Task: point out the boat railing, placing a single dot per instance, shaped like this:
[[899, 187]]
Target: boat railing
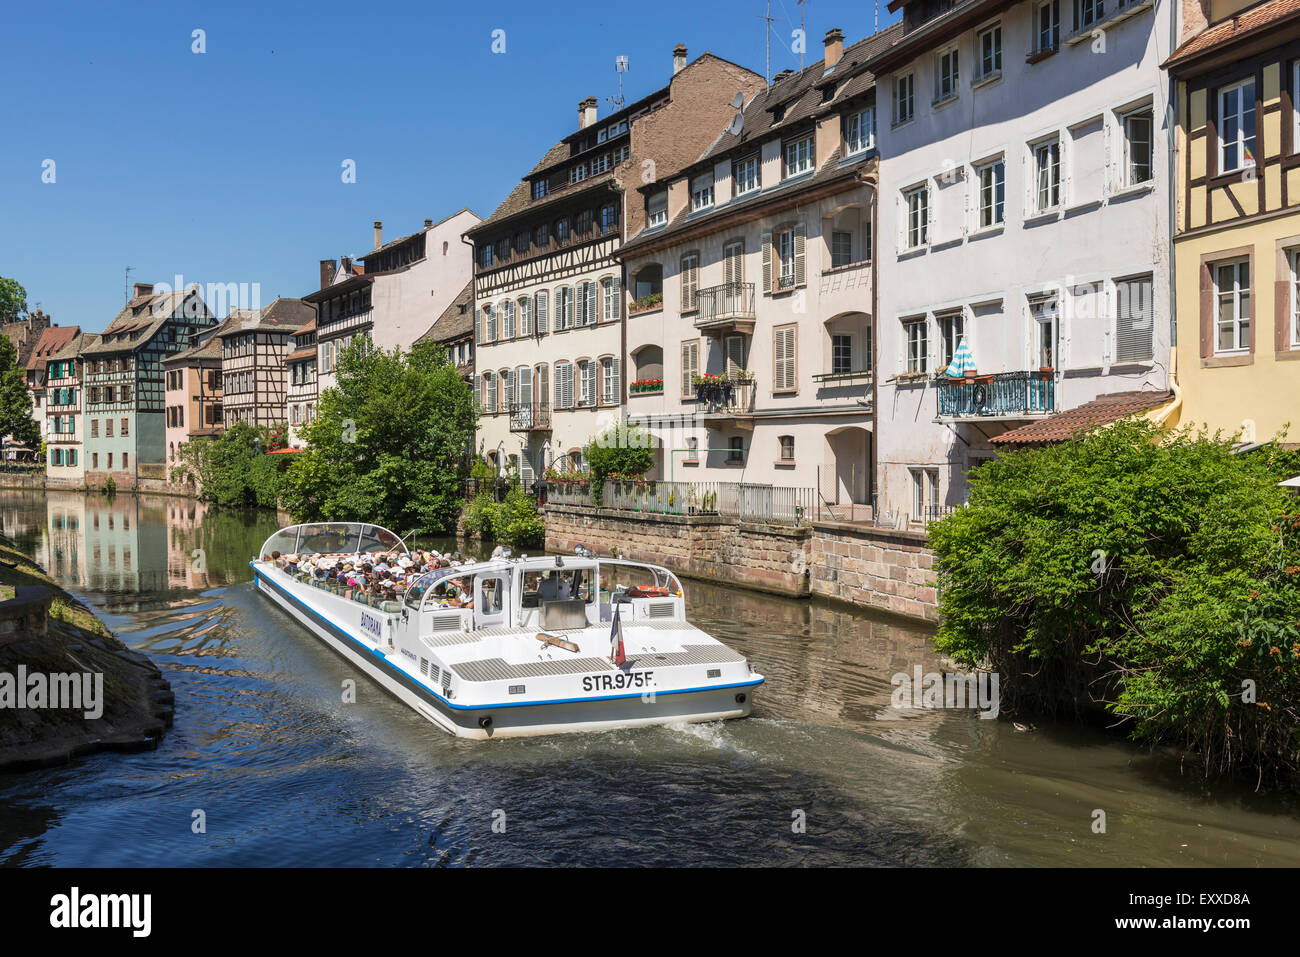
[[334, 539]]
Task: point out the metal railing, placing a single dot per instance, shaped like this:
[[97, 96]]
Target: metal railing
[[1004, 394], [535, 417], [718, 305], [728, 397], [778, 504], [932, 513]]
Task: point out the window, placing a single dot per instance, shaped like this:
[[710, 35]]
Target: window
[[526, 316], [599, 164], [916, 340], [507, 378], [562, 229], [690, 271], [945, 75], [787, 447], [612, 298], [1137, 147], [1047, 175], [925, 492], [657, 209], [1043, 309], [1087, 12], [585, 220], [586, 382], [540, 188], [952, 325], [692, 449], [1237, 126], [785, 369], [564, 308], [859, 131], [918, 217], [1293, 260], [609, 393], [841, 354], [690, 367], [798, 156], [1047, 24], [841, 249], [745, 175], [578, 173], [108, 428], [785, 254], [490, 323], [608, 219], [541, 235], [702, 192], [1232, 293], [903, 98], [991, 180], [126, 427], [590, 303], [126, 459], [508, 319], [1133, 320], [736, 448], [990, 50]]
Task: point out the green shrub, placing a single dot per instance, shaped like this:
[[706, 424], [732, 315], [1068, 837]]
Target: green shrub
[[1151, 575], [516, 521]]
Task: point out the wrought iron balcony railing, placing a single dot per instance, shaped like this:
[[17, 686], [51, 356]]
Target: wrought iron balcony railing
[[725, 304], [1005, 395], [535, 417], [727, 397]]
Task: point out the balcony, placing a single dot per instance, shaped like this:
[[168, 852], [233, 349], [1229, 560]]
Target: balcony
[[726, 399], [726, 308], [530, 418], [1005, 396]]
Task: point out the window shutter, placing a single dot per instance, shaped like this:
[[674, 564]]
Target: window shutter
[[1282, 314], [543, 386], [767, 262], [591, 381], [735, 354], [800, 241], [618, 297], [1134, 321], [478, 327], [783, 348], [1113, 173], [524, 387], [593, 302], [1207, 311], [543, 307]]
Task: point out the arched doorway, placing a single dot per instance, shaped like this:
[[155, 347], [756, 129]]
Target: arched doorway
[[846, 470]]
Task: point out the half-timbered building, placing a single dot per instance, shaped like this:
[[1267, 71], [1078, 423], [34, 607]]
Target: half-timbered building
[[300, 381], [1237, 241], [125, 384], [194, 393], [254, 345], [64, 424]]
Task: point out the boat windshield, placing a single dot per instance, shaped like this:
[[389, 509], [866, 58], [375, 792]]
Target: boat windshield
[[332, 538], [446, 588]]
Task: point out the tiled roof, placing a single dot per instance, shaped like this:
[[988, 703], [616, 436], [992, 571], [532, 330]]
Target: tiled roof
[[401, 239], [307, 353], [72, 348], [453, 323], [1248, 22], [520, 198], [310, 327], [1066, 425], [800, 95], [281, 313], [52, 340], [143, 315]]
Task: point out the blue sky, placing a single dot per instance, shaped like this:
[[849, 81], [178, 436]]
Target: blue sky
[[225, 166]]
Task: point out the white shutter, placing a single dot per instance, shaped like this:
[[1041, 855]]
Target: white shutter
[[618, 297], [690, 366], [568, 386], [590, 381], [767, 262], [616, 384], [524, 387], [800, 242], [1134, 321], [478, 391], [543, 308], [526, 316], [593, 302], [478, 332]]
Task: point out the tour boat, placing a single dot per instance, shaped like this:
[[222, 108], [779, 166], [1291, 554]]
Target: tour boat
[[514, 646]]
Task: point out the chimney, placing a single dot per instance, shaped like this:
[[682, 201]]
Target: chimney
[[346, 264], [326, 272], [379, 233], [679, 58], [143, 289], [781, 76], [587, 113], [834, 46], [428, 224]]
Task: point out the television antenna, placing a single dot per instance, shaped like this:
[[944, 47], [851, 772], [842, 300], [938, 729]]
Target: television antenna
[[620, 67], [767, 41], [126, 284]]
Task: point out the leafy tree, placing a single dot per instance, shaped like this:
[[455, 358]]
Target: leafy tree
[[13, 300], [389, 444], [15, 402], [233, 468], [622, 449], [1152, 575]]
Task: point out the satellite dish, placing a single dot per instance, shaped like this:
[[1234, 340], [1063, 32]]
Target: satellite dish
[[739, 101], [737, 124]]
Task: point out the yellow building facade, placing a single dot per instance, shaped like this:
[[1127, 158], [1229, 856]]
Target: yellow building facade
[[1236, 72]]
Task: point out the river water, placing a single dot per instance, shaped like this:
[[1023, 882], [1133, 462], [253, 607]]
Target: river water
[[267, 766]]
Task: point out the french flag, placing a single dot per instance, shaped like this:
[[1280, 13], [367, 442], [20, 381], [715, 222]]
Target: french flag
[[617, 654]]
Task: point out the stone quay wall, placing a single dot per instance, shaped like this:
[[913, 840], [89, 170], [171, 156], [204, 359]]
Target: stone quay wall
[[884, 569]]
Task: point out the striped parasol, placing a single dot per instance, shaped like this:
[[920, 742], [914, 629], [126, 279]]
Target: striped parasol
[[962, 360]]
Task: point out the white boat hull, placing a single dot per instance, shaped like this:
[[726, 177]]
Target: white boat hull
[[732, 699]]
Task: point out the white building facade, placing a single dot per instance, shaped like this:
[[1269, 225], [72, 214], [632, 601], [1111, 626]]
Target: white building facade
[[1024, 198]]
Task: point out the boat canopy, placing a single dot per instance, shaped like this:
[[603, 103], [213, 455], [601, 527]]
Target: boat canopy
[[332, 538]]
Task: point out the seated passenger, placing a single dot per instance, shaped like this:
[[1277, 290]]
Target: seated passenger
[[553, 588]]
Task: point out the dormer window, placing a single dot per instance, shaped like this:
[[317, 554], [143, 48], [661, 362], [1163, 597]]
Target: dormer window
[[657, 209], [540, 188], [798, 156], [702, 192], [945, 76], [745, 175], [859, 131], [578, 173]]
